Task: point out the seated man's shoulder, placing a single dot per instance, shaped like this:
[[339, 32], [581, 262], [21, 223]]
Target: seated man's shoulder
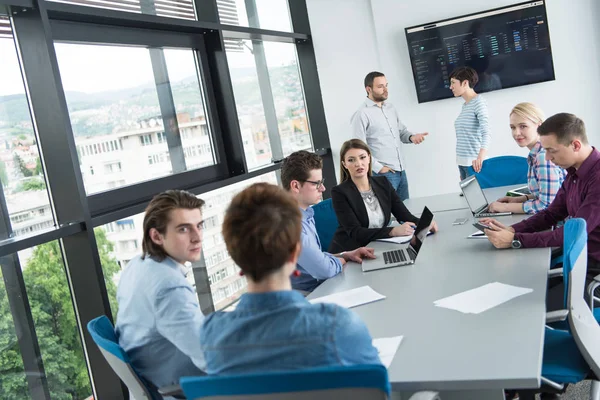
[[153, 274]]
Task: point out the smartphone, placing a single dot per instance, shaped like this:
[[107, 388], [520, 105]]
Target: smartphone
[[460, 221], [481, 226]]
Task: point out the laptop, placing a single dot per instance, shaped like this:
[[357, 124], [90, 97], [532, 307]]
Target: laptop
[[476, 199], [406, 253]]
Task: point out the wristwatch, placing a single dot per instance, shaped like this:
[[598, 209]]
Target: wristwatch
[[516, 244]]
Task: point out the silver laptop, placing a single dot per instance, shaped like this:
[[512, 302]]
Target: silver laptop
[[406, 253], [476, 199]]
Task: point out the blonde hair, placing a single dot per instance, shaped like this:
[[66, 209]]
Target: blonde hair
[[348, 145], [529, 111]]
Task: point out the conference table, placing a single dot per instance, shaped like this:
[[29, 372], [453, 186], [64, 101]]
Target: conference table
[[464, 356]]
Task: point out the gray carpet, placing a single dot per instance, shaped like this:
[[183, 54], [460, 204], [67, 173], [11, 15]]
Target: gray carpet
[[581, 391]]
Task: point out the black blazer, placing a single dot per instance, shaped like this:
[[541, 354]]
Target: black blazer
[[353, 220]]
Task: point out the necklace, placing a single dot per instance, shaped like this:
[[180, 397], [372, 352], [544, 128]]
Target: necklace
[[370, 199]]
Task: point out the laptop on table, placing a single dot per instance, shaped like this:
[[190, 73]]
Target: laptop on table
[[476, 198], [406, 253]]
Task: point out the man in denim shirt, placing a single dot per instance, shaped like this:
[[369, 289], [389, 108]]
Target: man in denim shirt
[[159, 319], [274, 328], [302, 177]]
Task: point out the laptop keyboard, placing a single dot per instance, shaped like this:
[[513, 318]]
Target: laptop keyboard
[[394, 257]]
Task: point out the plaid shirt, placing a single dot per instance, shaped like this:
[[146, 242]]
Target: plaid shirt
[[543, 178]]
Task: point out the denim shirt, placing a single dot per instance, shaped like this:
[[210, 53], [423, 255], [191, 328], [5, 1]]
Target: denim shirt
[[314, 264], [159, 319], [282, 331]]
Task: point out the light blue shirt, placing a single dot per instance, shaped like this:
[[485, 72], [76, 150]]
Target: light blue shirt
[[381, 129], [472, 130], [159, 320], [282, 331], [314, 264]]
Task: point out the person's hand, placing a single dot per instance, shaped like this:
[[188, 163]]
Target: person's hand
[[385, 170], [433, 227], [512, 199], [477, 164], [418, 138], [501, 239], [497, 206], [495, 225], [359, 254], [406, 229]]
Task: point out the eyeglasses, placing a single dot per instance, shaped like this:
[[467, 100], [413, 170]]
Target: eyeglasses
[[318, 184]]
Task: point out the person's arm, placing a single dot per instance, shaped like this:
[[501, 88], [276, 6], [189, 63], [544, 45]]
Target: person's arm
[[320, 265], [178, 319], [545, 219], [348, 220], [481, 112], [358, 126], [403, 131], [549, 178], [353, 343]]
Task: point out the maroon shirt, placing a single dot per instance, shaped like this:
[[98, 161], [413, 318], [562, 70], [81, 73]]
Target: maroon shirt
[[578, 197]]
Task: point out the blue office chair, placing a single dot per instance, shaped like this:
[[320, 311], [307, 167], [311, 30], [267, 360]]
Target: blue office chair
[[326, 222], [573, 355], [103, 333], [502, 171], [351, 383]]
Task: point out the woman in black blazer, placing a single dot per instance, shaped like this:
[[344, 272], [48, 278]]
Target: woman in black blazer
[[363, 203]]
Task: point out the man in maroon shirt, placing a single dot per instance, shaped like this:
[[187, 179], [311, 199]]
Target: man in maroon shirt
[[564, 138]]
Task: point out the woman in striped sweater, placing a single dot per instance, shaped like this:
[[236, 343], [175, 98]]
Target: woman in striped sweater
[[472, 125]]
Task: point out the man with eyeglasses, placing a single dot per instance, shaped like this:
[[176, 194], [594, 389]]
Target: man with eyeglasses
[[302, 177]]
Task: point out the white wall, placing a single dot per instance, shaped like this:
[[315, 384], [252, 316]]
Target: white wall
[[431, 166], [346, 50]]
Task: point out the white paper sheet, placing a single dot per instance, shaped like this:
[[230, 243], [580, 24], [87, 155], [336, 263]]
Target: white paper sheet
[[351, 298], [483, 298], [387, 347], [400, 239], [477, 235]]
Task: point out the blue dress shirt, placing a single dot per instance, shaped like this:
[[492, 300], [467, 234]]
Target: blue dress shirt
[[314, 264], [282, 331], [159, 320]]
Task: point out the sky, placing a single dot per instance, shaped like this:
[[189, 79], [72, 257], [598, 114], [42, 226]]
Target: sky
[[97, 68]]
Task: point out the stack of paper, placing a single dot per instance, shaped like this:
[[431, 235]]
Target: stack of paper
[[351, 298], [387, 347], [481, 299]]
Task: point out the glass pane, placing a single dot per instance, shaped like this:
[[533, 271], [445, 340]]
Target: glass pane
[[248, 100], [21, 172], [225, 282], [164, 8], [284, 75], [116, 114], [12, 373], [272, 14], [55, 324]]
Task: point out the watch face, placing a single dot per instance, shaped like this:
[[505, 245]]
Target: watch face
[[516, 244]]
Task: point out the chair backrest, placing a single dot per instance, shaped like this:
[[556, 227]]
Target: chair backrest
[[351, 382], [326, 222], [574, 240], [502, 171], [103, 333], [583, 324]]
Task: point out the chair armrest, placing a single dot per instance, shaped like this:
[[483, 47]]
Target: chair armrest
[[552, 273], [556, 316], [425, 396], [171, 391], [591, 289]]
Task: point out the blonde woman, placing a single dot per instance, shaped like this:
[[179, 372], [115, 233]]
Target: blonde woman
[[543, 177]]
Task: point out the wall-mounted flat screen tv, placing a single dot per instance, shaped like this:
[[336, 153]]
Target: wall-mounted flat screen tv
[[508, 47]]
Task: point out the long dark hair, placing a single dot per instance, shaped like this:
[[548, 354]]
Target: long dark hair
[[348, 145]]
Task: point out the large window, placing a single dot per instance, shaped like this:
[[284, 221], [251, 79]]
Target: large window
[[118, 118], [164, 8], [270, 14], [21, 172]]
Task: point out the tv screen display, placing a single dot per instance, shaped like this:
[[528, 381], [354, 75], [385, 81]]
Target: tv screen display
[[508, 47]]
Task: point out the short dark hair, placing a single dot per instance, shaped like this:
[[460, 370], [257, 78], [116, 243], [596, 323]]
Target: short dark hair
[[262, 228], [297, 167], [158, 216], [566, 127], [462, 74], [371, 77]]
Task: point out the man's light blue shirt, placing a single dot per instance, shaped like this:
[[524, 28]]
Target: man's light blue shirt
[[159, 321], [282, 331], [314, 264]]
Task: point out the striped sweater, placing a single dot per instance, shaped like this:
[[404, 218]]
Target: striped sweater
[[472, 130]]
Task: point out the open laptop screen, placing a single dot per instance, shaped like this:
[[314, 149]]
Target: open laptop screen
[[473, 194], [421, 229]]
